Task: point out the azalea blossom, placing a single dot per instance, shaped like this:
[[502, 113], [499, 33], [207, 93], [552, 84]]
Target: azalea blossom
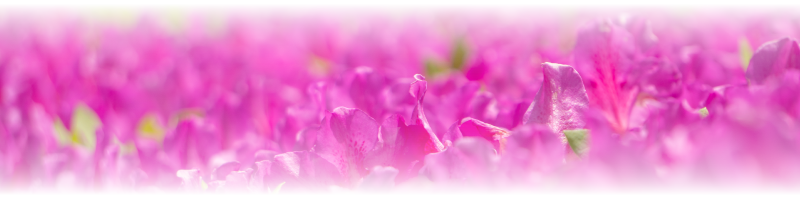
[[327, 103]]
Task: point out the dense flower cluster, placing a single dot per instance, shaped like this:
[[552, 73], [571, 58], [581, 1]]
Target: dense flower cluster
[[381, 104]]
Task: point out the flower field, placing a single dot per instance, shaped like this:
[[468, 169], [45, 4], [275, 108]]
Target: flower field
[[372, 102]]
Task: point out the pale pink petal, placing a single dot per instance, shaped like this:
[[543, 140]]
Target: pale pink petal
[[191, 179], [349, 136], [603, 58], [560, 100], [302, 169], [236, 183], [417, 90], [401, 146], [772, 58], [260, 174], [379, 178], [223, 170], [469, 127]]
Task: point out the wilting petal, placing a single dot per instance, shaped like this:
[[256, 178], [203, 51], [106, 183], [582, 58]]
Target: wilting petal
[[773, 58], [560, 100]]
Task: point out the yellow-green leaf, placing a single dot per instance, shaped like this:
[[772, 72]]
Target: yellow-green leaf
[[277, 189], [745, 52], [434, 68], [62, 134], [703, 112], [578, 140], [458, 55], [185, 114], [203, 184], [84, 126], [149, 127]]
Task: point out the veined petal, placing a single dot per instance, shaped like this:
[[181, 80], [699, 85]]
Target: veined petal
[[603, 53], [349, 136], [560, 100]]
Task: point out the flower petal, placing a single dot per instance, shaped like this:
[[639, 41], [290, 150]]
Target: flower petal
[[379, 178], [470, 127], [302, 169], [772, 58], [235, 181], [349, 136], [191, 179], [560, 100]]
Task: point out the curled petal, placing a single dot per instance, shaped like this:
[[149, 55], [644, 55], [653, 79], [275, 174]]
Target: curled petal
[[772, 58], [469, 127]]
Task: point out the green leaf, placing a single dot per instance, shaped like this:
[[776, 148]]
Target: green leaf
[[434, 68], [63, 136], [84, 126], [578, 140], [277, 189], [703, 112], [458, 55], [745, 53], [150, 128]]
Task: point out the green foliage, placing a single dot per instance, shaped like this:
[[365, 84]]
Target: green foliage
[[578, 140]]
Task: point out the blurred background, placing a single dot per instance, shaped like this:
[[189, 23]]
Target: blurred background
[[256, 75]]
